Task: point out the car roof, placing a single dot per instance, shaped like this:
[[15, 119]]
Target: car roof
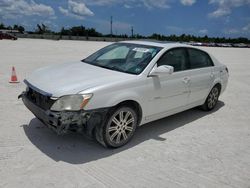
[[158, 43]]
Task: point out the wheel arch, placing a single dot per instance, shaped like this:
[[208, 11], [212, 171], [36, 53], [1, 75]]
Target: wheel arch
[[133, 104], [217, 84]]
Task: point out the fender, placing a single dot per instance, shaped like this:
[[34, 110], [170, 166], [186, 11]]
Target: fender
[[216, 81], [124, 97], [110, 99]]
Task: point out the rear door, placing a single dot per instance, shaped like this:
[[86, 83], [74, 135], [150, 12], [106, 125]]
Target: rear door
[[201, 74]]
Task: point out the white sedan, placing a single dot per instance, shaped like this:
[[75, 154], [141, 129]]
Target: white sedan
[[122, 86]]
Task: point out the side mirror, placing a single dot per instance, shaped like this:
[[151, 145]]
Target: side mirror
[[162, 70]]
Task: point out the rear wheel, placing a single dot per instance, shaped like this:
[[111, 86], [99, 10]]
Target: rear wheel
[[120, 127], [212, 99]]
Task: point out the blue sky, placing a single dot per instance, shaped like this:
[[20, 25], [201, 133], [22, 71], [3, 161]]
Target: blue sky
[[222, 18]]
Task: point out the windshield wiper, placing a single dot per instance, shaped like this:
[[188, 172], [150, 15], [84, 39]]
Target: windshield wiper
[[84, 61], [111, 68], [115, 68], [102, 66]]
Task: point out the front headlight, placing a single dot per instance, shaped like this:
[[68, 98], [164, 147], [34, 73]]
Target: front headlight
[[71, 102]]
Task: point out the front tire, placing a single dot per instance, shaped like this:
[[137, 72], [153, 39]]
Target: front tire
[[119, 127], [212, 99]]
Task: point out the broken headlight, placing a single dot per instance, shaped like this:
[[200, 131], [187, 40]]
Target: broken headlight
[[71, 102]]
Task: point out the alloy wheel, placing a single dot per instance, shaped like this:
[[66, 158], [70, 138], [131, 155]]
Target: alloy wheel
[[213, 98], [121, 126]]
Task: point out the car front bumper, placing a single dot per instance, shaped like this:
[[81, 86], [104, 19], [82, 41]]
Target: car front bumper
[[62, 122]]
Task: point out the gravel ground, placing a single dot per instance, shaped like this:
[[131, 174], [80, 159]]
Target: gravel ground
[[190, 149]]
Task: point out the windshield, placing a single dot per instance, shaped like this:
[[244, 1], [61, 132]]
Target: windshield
[[123, 57]]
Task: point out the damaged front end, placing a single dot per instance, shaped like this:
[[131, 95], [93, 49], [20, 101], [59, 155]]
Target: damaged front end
[[83, 121]]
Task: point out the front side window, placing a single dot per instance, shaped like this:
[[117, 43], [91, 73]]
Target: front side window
[[199, 59], [175, 58], [124, 57]]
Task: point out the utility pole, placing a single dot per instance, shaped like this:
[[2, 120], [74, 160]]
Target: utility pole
[[132, 31], [111, 26]]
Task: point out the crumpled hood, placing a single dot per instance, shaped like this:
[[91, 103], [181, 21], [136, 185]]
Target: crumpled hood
[[72, 78]]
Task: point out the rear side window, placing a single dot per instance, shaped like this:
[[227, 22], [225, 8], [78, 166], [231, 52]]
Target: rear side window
[[175, 58], [199, 59]]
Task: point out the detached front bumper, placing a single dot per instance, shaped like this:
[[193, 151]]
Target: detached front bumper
[[62, 122]]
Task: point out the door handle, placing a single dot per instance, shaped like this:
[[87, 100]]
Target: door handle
[[186, 80]]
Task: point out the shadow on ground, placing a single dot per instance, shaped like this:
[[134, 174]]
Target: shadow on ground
[[76, 149]]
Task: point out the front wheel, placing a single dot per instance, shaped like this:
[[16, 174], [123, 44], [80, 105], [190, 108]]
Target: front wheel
[[120, 127], [212, 99]]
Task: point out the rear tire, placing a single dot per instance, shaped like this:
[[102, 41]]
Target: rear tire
[[119, 127], [212, 99]]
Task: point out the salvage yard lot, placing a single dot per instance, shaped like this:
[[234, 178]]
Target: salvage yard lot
[[190, 149]]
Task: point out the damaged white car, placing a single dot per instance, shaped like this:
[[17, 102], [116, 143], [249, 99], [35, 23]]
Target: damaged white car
[[122, 86]]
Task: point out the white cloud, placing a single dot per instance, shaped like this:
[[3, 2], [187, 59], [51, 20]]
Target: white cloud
[[224, 7], [188, 2], [203, 31], [156, 4], [240, 31], [220, 12], [76, 9], [101, 2], [246, 28], [79, 8], [127, 6], [18, 8], [150, 4], [231, 31], [66, 12]]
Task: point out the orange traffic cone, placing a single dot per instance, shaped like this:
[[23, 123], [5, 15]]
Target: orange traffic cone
[[13, 78]]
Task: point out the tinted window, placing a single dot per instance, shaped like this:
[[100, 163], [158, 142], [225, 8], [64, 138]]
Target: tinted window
[[176, 58], [199, 59]]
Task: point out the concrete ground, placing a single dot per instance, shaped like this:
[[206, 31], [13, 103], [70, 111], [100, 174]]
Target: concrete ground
[[190, 149]]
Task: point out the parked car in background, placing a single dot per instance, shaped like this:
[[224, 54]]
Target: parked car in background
[[240, 45], [122, 86], [7, 36]]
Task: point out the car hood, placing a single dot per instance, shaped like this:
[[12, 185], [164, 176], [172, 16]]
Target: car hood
[[72, 78]]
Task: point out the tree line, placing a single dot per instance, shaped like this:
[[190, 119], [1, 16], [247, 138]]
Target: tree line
[[19, 28], [91, 32]]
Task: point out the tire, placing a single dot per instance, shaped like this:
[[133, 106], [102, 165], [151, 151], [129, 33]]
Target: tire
[[119, 127], [212, 99]]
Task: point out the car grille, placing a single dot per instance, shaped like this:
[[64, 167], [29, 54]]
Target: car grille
[[40, 100]]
